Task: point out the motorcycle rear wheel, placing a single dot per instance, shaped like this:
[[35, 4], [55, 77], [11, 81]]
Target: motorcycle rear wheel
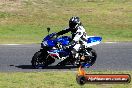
[[94, 56], [89, 59]]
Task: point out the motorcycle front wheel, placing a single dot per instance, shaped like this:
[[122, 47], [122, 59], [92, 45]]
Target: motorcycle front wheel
[[37, 60], [41, 60]]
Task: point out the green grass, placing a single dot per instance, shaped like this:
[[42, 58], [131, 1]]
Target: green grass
[[25, 21], [53, 80]]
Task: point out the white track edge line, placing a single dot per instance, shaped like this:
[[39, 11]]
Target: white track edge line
[[109, 42], [22, 44], [11, 44]]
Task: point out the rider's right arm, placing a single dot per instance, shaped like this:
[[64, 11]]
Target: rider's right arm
[[66, 30]]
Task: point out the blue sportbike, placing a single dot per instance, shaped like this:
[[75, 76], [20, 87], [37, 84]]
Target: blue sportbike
[[52, 50]]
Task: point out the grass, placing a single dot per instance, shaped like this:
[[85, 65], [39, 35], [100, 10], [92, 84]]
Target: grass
[[53, 80], [25, 21]]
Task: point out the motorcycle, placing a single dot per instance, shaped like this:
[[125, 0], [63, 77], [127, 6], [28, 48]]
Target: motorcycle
[[52, 49]]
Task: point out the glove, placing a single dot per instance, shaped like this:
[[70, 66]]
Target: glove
[[65, 47]]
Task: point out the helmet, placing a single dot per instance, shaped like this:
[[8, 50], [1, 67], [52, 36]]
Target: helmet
[[74, 22]]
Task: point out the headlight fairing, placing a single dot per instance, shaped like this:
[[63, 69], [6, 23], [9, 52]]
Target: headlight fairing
[[44, 43]]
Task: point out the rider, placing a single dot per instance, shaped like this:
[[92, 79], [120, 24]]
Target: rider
[[79, 36]]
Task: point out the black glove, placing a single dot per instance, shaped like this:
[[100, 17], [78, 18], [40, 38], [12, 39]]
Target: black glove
[[72, 43], [65, 47]]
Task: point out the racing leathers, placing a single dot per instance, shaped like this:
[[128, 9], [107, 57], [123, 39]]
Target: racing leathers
[[79, 39]]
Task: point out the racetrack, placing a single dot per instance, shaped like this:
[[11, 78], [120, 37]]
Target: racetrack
[[111, 56]]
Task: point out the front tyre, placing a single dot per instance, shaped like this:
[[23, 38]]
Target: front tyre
[[37, 60]]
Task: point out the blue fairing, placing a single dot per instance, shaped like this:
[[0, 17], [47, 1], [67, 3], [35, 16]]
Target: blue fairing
[[51, 43], [49, 36], [94, 39], [64, 40]]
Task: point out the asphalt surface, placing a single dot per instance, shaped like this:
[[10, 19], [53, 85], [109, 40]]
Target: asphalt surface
[[111, 56]]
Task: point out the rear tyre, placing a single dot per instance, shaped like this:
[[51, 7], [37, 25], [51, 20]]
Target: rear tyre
[[89, 59], [93, 57]]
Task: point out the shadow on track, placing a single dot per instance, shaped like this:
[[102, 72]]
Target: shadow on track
[[49, 67]]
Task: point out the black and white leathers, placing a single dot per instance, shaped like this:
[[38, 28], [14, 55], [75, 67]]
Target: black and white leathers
[[78, 34]]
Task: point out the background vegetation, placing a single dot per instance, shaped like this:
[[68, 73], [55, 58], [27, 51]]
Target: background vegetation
[[25, 21], [53, 79]]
